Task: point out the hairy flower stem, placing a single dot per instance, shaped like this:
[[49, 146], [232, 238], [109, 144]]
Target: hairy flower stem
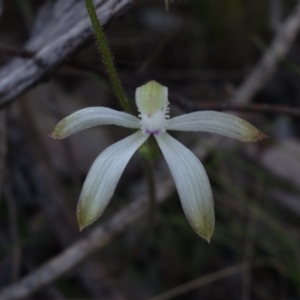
[[114, 78], [106, 56]]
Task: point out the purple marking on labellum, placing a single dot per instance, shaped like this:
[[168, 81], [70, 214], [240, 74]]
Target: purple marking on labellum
[[154, 132]]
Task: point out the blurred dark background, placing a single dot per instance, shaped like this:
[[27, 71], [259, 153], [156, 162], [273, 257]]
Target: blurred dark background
[[202, 51]]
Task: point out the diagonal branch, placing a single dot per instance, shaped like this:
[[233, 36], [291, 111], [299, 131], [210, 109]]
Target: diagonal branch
[[204, 280], [266, 67], [66, 26]]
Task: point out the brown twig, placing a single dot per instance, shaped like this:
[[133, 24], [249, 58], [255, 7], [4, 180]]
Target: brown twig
[[204, 280], [266, 67], [189, 106], [218, 275]]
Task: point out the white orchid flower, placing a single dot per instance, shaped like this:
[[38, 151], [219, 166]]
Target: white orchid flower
[[188, 172]]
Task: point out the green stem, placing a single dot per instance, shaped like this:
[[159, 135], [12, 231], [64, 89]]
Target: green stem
[[113, 75], [148, 169], [106, 56]]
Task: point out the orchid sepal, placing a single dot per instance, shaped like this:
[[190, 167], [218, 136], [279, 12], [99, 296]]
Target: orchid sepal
[[192, 185]]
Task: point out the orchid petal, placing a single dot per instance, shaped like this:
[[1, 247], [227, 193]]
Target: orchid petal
[[90, 117], [192, 184], [217, 122], [103, 177]]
